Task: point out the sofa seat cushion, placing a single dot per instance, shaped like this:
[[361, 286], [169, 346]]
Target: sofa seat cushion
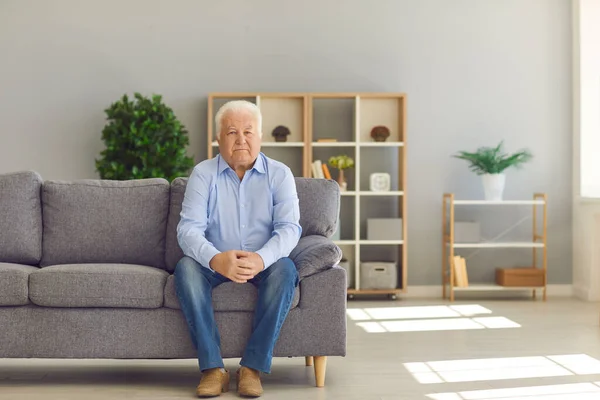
[[98, 285], [229, 296], [14, 279], [20, 218]]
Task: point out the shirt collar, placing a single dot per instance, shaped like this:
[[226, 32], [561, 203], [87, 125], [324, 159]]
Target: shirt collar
[[259, 164]]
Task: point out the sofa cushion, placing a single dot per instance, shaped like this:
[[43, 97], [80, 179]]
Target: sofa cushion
[[14, 280], [103, 221], [173, 251], [319, 206], [314, 254], [98, 285], [20, 218], [228, 296]]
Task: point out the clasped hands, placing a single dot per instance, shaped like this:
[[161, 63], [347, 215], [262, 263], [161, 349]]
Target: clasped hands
[[237, 265]]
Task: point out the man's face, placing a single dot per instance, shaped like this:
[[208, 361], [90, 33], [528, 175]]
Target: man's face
[[239, 139]]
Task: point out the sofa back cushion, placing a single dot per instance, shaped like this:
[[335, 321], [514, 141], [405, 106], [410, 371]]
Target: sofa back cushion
[[20, 218], [174, 252], [319, 208], [104, 221]]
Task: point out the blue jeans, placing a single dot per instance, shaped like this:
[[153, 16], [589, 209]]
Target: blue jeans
[[276, 286]]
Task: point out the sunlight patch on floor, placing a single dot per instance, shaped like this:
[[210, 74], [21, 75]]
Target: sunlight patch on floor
[[426, 318], [490, 369], [573, 391], [425, 312]]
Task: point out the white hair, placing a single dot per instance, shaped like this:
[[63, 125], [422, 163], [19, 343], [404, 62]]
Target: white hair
[[238, 105]]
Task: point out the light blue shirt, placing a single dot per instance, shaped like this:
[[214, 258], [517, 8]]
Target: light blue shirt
[[259, 214]]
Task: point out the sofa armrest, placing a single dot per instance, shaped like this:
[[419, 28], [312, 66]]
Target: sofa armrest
[[315, 253]]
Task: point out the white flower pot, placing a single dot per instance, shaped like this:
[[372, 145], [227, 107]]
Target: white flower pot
[[493, 186]]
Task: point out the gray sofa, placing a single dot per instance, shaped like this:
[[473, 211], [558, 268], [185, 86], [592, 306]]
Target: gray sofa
[[86, 272]]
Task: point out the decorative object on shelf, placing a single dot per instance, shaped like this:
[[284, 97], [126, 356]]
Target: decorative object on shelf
[[280, 133], [490, 163], [144, 139], [380, 133], [520, 277], [341, 162], [380, 182]]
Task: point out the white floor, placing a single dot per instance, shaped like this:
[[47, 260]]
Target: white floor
[[503, 349]]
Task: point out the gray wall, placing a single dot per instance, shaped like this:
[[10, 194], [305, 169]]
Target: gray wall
[[475, 72]]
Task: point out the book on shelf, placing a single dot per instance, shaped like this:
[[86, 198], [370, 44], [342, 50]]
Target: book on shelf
[[461, 279], [320, 170]]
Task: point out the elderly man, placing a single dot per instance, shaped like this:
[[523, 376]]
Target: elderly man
[[239, 222]]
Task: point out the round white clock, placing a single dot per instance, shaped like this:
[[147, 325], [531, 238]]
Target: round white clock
[[380, 182]]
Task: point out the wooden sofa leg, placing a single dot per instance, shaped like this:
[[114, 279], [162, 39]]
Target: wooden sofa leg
[[309, 361], [320, 367]]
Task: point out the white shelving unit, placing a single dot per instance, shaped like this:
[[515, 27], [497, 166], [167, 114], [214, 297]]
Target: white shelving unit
[[449, 245]]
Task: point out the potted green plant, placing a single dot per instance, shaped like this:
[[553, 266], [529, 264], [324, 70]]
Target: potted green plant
[[341, 162], [490, 163], [144, 139]]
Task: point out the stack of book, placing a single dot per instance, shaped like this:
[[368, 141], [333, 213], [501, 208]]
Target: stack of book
[[320, 170]]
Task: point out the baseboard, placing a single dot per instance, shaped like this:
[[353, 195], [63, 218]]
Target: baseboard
[[586, 293], [581, 292], [435, 292]]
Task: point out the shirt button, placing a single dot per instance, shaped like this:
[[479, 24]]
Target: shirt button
[[243, 226], [242, 206]]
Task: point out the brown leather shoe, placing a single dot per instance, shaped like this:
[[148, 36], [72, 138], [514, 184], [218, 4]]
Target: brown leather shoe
[[213, 382], [248, 382]]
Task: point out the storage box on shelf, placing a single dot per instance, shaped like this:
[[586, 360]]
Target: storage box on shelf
[[532, 277], [323, 125]]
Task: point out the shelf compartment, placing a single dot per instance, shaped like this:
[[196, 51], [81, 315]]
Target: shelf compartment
[[333, 118], [389, 160], [283, 110], [293, 157], [381, 110], [382, 207], [324, 153], [383, 251]]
